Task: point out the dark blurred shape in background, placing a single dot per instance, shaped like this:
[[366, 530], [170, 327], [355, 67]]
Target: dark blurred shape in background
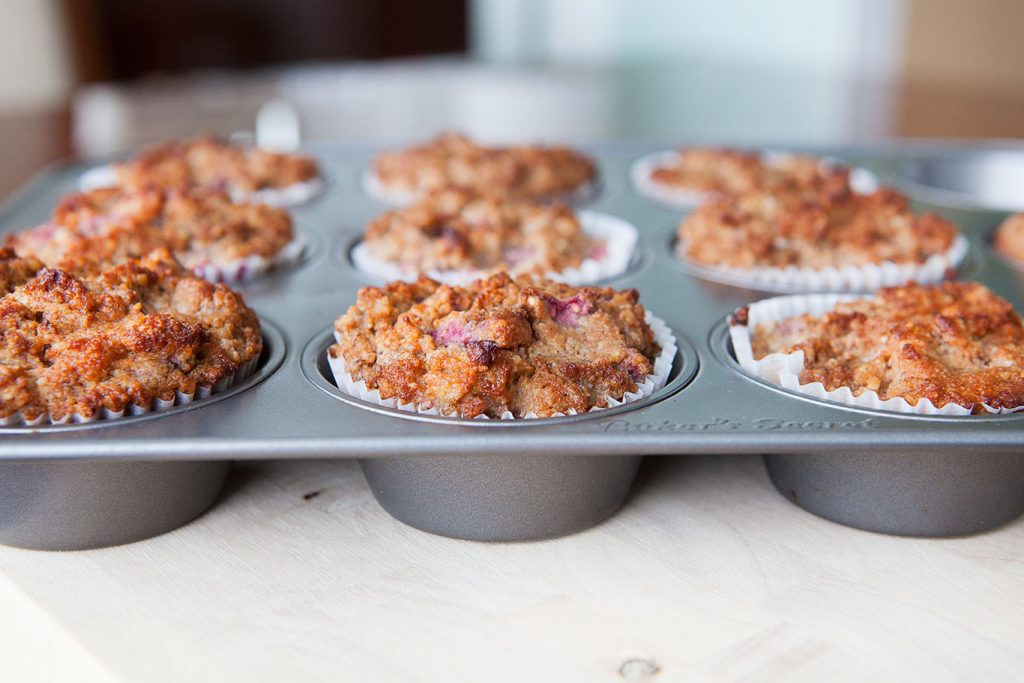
[[123, 40], [96, 77]]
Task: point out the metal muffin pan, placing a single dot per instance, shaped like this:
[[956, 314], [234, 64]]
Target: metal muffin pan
[[496, 480], [976, 179], [77, 504]]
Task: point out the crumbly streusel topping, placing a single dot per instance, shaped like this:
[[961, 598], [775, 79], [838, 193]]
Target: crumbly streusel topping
[[1009, 237], [456, 161], [199, 227], [131, 334], [721, 170], [207, 163], [499, 344], [951, 343], [458, 230], [827, 227]]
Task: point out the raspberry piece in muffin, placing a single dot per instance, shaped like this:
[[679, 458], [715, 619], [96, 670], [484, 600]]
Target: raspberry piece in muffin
[[199, 227], [456, 230], [207, 163], [1009, 237], [951, 343], [456, 161], [143, 330], [729, 171], [523, 346], [827, 227]]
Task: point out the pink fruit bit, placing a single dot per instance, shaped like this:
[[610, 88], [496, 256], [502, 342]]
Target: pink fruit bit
[[453, 332], [568, 311], [633, 366], [518, 255]]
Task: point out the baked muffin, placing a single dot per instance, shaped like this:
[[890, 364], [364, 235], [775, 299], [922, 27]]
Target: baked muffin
[[1009, 237], [72, 346], [814, 229], [721, 170], [456, 230], [532, 172], [525, 347], [244, 173], [954, 343], [203, 229]]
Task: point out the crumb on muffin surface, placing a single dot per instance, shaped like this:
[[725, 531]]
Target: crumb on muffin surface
[[827, 227], [459, 230], [453, 160], [951, 343], [724, 170], [134, 333], [111, 225], [523, 346], [1009, 237], [205, 162]]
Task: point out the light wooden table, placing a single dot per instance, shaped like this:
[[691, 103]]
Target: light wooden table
[[707, 573]]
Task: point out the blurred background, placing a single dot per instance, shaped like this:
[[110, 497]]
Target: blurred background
[[96, 77]]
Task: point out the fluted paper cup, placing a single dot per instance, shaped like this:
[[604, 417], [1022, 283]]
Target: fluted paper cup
[[656, 380], [865, 278], [132, 409], [784, 369]]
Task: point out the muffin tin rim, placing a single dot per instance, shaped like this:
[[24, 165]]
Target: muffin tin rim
[[903, 174], [685, 368]]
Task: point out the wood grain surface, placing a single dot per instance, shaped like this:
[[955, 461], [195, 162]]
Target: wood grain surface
[[706, 574]]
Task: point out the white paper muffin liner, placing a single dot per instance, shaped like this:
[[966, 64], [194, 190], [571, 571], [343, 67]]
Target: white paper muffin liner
[[783, 369], [292, 195], [866, 278], [862, 180], [620, 239], [662, 366], [377, 189], [98, 177], [252, 267], [133, 409]]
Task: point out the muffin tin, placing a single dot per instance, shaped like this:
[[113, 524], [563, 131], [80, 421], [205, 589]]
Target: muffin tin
[[78, 486]]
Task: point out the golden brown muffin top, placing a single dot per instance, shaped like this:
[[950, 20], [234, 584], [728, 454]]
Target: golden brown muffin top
[[951, 343], [820, 228], [199, 227], [206, 163], [451, 160], [523, 346], [140, 331], [459, 230], [1009, 237], [723, 170]]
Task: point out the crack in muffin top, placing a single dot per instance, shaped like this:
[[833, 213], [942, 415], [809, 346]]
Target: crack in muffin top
[[827, 227], [951, 343], [722, 170], [140, 331], [452, 160], [522, 346], [207, 163], [459, 230], [111, 225]]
